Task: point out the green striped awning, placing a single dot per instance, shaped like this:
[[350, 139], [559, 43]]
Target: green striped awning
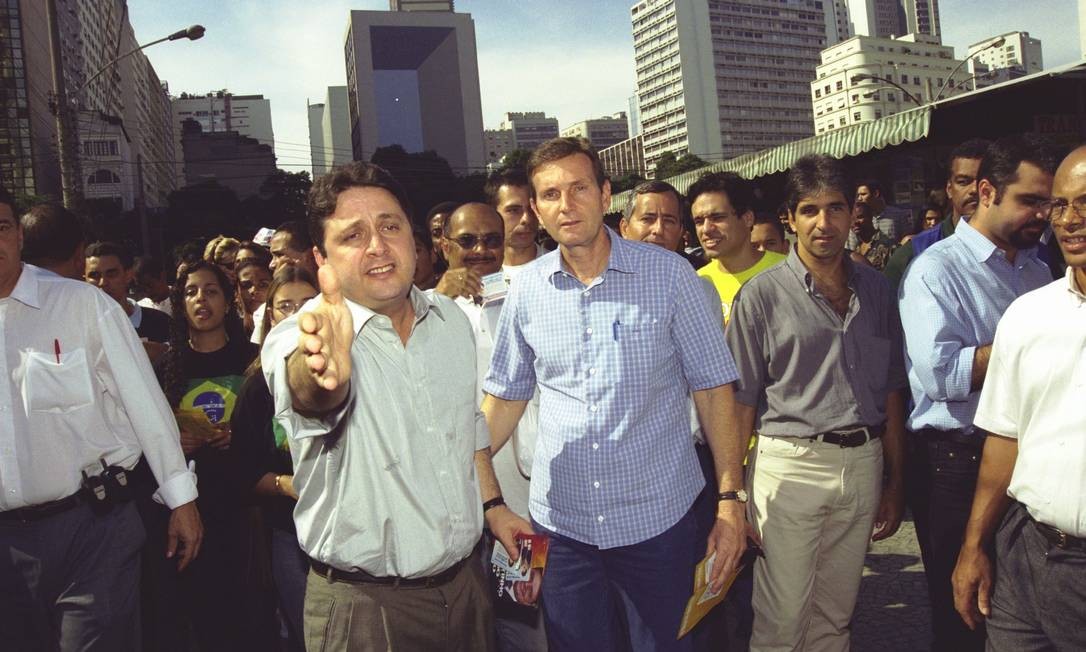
[[907, 126]]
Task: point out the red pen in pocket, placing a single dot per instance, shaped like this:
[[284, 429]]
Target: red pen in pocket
[[56, 349]]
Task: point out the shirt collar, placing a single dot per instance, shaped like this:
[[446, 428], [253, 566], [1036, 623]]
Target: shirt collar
[[422, 302], [619, 260], [981, 247], [804, 275], [1072, 286], [26, 288]]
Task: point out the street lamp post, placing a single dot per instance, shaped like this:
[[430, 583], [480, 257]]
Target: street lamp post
[[67, 138], [998, 43], [866, 77]]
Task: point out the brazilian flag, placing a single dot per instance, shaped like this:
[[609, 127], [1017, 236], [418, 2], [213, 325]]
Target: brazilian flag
[[214, 396]]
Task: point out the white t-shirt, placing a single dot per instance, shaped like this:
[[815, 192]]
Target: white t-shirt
[[1032, 392]]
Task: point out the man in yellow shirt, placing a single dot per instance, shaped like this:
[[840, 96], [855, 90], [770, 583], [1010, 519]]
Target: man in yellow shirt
[[721, 205]]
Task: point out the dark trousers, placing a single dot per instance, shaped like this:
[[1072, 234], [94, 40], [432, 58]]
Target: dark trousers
[[1039, 602], [70, 581], [947, 479], [581, 607]]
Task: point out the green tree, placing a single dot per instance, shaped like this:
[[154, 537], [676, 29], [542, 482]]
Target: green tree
[[518, 158], [669, 165], [625, 182]]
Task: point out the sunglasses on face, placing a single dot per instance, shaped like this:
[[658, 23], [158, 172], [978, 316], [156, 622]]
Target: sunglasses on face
[[470, 240]]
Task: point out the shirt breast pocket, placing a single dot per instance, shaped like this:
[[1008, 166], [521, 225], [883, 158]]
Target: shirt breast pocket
[[640, 346], [57, 388], [876, 362]]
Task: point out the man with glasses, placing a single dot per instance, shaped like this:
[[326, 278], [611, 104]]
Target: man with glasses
[[951, 299], [1034, 466]]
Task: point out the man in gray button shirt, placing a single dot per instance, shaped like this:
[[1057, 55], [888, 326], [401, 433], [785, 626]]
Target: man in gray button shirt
[[821, 376], [377, 395]]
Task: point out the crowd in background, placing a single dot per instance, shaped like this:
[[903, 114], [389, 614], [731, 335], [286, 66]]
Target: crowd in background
[[854, 340]]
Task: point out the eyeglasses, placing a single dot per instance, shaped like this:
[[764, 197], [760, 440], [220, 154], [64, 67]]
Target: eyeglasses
[[470, 240], [288, 308], [1059, 215]]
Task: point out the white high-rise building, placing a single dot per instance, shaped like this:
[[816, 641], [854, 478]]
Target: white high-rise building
[[314, 113], [866, 78], [249, 115], [890, 18], [1019, 51], [719, 78]]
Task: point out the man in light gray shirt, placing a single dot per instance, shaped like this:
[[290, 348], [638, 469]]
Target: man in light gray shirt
[[392, 461], [821, 376]]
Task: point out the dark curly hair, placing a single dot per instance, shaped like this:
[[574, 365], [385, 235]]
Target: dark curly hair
[[174, 374]]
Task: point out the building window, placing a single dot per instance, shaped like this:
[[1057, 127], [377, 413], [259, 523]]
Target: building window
[[840, 85], [841, 121], [818, 92], [856, 116], [878, 114], [891, 97], [102, 176]]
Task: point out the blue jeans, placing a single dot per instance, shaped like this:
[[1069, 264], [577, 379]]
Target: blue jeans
[[290, 566], [582, 609]]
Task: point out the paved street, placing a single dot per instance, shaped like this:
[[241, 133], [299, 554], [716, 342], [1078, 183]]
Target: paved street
[[892, 610]]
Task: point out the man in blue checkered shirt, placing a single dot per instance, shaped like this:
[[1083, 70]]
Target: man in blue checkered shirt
[[614, 334]]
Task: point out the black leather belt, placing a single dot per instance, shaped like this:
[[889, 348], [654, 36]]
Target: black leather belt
[[44, 510], [973, 439], [362, 577], [1059, 538], [850, 438]]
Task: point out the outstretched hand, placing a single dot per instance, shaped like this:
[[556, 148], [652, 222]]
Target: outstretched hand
[[326, 335]]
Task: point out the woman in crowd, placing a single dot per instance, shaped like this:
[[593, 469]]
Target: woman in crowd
[[262, 456], [249, 251], [201, 376], [252, 290]]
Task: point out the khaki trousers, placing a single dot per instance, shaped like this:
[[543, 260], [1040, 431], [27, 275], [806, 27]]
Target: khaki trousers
[[347, 616], [814, 505]]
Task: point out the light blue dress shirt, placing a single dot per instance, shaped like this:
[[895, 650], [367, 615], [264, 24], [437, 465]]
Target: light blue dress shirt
[[614, 361], [951, 300]]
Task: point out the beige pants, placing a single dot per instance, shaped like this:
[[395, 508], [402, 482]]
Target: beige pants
[[814, 505], [342, 616]]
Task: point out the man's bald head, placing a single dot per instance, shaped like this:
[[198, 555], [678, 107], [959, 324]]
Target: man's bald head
[[474, 238], [1069, 193]]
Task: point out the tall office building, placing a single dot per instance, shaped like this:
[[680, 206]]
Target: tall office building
[[530, 128], [249, 115], [634, 115], [601, 132], [719, 78], [1019, 51], [330, 131], [123, 138], [413, 81], [853, 82], [892, 18], [314, 113]]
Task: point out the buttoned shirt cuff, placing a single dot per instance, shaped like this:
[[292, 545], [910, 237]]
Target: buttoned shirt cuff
[[960, 379], [177, 491]]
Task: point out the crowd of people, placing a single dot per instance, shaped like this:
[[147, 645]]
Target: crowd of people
[[314, 442]]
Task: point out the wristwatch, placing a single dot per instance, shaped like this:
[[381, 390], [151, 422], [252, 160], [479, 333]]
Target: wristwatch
[[738, 496]]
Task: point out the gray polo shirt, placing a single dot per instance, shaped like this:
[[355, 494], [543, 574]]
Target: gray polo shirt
[[805, 369]]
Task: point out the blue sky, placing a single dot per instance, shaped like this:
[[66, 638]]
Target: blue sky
[[570, 58]]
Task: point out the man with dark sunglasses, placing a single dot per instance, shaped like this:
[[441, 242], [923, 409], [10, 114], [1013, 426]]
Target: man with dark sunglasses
[[473, 242]]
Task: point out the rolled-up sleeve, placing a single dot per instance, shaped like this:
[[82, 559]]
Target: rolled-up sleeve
[[1000, 400], [512, 365], [698, 334], [935, 337], [278, 346], [128, 370], [745, 337]]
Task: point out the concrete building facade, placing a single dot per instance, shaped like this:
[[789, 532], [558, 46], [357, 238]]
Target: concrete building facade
[[601, 132], [413, 80], [626, 157], [498, 143], [633, 115], [249, 115], [530, 128], [719, 78], [844, 93], [1019, 51], [330, 131], [227, 158]]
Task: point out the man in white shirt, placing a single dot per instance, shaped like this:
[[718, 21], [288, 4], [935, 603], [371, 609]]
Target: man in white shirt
[[1033, 470], [473, 239], [76, 394], [53, 239]]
